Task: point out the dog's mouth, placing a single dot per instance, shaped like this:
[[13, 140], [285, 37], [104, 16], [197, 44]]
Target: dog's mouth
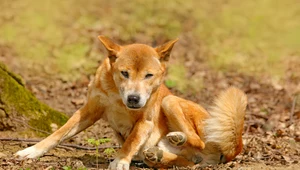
[[133, 107]]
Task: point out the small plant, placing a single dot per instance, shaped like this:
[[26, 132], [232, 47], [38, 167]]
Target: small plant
[[67, 168], [109, 151], [84, 168], [97, 143]]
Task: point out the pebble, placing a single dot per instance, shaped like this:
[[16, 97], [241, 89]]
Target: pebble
[[2, 155]]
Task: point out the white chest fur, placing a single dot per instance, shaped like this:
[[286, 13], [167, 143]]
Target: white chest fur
[[120, 120]]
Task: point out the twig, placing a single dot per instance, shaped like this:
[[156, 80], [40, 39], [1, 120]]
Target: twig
[[88, 148], [247, 130], [253, 122], [248, 126], [60, 145], [34, 141], [248, 141], [30, 127], [293, 109], [260, 116]]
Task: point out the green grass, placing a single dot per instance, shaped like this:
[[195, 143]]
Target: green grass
[[47, 32], [251, 36], [254, 37], [177, 78]]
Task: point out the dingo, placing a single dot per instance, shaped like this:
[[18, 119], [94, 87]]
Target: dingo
[[151, 123]]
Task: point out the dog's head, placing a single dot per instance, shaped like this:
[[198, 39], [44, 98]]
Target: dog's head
[[138, 69]]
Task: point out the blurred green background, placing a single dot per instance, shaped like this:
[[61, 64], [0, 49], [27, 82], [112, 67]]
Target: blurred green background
[[258, 37]]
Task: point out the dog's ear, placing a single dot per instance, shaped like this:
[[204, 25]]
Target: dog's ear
[[164, 50], [111, 47]]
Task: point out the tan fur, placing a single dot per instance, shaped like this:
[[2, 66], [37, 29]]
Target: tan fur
[[221, 128], [128, 92], [225, 125]]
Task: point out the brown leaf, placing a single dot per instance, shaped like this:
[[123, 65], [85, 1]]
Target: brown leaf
[[287, 158], [77, 101], [297, 114], [297, 138]]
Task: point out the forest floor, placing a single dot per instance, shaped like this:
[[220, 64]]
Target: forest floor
[[220, 45], [271, 136]]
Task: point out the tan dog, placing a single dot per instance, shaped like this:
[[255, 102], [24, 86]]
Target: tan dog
[[128, 92], [221, 129]]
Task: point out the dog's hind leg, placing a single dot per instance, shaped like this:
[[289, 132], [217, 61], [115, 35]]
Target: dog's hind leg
[[158, 158], [81, 119], [176, 139], [187, 117]]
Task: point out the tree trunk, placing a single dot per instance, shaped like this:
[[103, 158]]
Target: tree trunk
[[16, 101]]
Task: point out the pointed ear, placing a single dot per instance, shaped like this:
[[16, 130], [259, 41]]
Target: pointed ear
[[111, 47], [164, 50]]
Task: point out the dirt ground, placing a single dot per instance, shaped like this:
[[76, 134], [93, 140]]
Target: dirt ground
[[271, 136]]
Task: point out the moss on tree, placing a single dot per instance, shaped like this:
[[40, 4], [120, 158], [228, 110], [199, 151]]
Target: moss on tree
[[16, 100]]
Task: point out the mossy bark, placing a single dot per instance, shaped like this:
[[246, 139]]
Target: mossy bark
[[16, 100]]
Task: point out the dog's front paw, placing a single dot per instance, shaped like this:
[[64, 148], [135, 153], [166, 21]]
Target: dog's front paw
[[30, 152], [153, 155], [118, 164], [176, 138]]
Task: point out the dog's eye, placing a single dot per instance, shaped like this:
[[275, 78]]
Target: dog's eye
[[125, 74], [148, 76]]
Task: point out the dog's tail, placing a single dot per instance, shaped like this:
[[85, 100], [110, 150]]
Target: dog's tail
[[225, 126]]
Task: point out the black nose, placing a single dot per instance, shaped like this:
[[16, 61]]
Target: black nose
[[133, 99]]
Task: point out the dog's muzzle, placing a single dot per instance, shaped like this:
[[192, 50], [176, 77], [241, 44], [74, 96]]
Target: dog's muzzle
[[133, 102]]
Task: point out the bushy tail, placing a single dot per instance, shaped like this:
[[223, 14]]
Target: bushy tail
[[225, 126]]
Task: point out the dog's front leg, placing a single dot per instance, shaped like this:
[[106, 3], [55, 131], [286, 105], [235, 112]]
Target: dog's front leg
[[81, 119], [132, 145]]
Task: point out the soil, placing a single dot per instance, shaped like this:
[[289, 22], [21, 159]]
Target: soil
[[271, 135]]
